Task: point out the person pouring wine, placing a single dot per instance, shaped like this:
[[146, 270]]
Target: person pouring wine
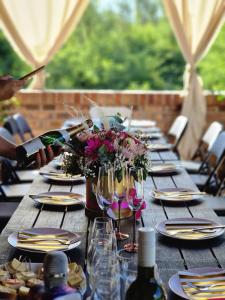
[[8, 87]]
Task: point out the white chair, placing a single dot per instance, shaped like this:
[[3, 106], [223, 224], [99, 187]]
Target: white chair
[[177, 130], [203, 149], [110, 111]]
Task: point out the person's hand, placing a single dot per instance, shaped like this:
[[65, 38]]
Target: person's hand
[[43, 157], [9, 86]]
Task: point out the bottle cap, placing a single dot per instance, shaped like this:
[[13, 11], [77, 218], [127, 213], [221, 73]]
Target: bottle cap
[[146, 250], [146, 235]]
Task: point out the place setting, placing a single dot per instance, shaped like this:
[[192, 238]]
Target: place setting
[[159, 147], [61, 177], [43, 240], [199, 283], [164, 169], [176, 195], [59, 199], [190, 229]]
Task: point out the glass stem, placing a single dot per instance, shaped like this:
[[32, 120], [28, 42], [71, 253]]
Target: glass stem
[[134, 228]]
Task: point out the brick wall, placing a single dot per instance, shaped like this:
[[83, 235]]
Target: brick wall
[[45, 109]]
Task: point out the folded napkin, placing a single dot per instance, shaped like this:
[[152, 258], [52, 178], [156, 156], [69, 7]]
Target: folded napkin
[[203, 286]]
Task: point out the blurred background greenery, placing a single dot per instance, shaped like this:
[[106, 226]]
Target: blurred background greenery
[[126, 45]]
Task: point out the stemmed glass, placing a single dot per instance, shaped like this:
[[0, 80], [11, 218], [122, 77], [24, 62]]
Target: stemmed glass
[[135, 198], [120, 193], [104, 190]]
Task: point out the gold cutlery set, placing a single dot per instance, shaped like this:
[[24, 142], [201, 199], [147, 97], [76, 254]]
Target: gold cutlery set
[[203, 286], [44, 242]]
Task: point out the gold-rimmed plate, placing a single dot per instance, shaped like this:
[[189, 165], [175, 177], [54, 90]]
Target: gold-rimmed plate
[[164, 169], [59, 198], [62, 177], [176, 287], [175, 195], [159, 147], [44, 240], [185, 229]]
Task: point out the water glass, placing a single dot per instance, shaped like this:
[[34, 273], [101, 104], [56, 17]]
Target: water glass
[[106, 282], [128, 269]]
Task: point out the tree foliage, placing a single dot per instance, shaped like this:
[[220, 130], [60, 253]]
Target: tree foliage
[[128, 47]]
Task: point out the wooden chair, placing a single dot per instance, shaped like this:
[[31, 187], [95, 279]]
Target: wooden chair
[[213, 181], [202, 152], [177, 131]]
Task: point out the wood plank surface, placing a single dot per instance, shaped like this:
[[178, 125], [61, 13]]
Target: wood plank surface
[[172, 254]]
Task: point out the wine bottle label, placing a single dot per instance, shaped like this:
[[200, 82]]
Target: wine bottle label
[[32, 146], [146, 251], [65, 135]]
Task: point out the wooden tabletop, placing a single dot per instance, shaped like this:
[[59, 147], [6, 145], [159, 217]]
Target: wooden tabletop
[[172, 255]]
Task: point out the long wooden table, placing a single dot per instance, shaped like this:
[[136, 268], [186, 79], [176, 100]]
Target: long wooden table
[[171, 255]]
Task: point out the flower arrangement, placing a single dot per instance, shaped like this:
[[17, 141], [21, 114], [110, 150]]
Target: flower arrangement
[[113, 146]]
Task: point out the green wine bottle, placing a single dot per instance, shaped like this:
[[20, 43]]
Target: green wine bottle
[[26, 152], [147, 285]]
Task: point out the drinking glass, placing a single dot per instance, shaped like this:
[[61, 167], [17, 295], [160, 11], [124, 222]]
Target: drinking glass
[[128, 269], [102, 223], [106, 282], [105, 188], [109, 236], [120, 193], [135, 198], [96, 247]]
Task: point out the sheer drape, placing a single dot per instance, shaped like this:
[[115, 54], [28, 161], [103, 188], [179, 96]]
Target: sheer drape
[[195, 24], [37, 29]]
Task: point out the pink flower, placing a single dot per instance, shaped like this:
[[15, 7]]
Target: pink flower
[[108, 145], [136, 201], [93, 145], [138, 213]]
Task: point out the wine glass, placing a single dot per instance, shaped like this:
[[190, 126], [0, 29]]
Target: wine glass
[[135, 198], [101, 223], [120, 193], [105, 188]]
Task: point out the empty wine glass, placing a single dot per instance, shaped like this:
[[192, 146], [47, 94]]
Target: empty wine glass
[[135, 198], [120, 193], [105, 188], [101, 223]]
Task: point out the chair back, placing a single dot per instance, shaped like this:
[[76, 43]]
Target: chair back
[[218, 147], [211, 134], [178, 128], [6, 134], [110, 111], [11, 125], [23, 126], [216, 161]]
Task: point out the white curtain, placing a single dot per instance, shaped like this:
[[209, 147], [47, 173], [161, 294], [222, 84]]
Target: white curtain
[[37, 29], [195, 24]]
